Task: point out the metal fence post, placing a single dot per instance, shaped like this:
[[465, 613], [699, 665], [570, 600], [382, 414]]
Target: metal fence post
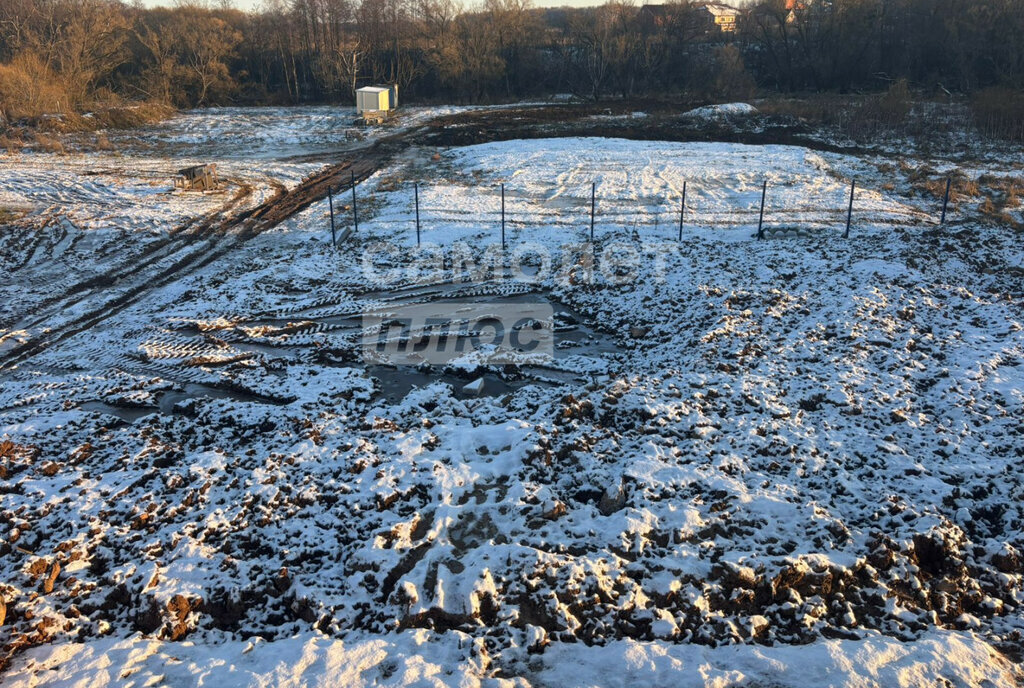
[[330, 203], [760, 219], [849, 211], [945, 200], [355, 212], [502, 217], [682, 208], [416, 190], [593, 202]]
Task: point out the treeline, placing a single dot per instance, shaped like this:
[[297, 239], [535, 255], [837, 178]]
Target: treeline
[[66, 55]]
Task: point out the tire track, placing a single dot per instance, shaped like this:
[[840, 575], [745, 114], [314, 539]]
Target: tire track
[[151, 254], [221, 234]]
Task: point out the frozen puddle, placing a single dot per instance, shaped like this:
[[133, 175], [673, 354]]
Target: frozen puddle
[[397, 381], [127, 414]]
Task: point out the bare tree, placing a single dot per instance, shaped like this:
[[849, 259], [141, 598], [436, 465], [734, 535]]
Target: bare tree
[[205, 42]]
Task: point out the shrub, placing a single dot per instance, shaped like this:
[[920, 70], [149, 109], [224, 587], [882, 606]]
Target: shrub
[[30, 89], [732, 80], [11, 143]]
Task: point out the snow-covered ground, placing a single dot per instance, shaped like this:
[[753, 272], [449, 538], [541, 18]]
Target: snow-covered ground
[[423, 658], [639, 188], [247, 134], [786, 462], [721, 110]]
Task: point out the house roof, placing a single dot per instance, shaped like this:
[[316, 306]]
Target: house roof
[[371, 89], [657, 10], [720, 10]]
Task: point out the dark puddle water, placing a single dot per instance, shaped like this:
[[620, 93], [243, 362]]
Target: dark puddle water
[[127, 414], [572, 336], [396, 382], [170, 402]]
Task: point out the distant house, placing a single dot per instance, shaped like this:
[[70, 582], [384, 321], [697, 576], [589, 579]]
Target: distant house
[[713, 17], [723, 16], [794, 8], [654, 16]]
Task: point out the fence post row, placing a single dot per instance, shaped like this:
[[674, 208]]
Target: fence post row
[[593, 209]]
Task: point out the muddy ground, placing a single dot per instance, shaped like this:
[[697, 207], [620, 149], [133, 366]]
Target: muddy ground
[[791, 440]]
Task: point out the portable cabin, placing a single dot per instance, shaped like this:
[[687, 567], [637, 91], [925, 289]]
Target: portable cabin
[[376, 102]]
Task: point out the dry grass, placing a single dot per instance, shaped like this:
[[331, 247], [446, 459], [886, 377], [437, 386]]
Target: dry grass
[[48, 143], [131, 116], [11, 143], [927, 181], [812, 109], [1002, 196], [107, 116], [103, 143], [894, 112], [1011, 187], [999, 113], [992, 210], [888, 111], [32, 94]]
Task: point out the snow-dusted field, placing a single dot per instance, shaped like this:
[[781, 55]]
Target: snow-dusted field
[[783, 462]]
